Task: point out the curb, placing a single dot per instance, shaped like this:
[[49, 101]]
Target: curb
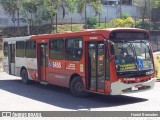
[[158, 80]]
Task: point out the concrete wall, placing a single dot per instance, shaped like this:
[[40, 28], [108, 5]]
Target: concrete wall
[[1, 65], [109, 12], [155, 40]]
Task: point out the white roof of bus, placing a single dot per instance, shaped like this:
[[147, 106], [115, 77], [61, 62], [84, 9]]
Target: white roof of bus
[[16, 38], [156, 53]]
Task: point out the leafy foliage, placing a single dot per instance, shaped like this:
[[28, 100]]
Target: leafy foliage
[[36, 11], [157, 3], [11, 7], [102, 25], [96, 4], [91, 22], [122, 22], [67, 27], [125, 16], [143, 25], [29, 10]]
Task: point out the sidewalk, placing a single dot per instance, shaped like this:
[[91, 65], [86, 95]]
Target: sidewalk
[[1, 66]]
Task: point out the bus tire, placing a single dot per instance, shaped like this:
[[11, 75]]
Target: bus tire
[[24, 76], [77, 87]]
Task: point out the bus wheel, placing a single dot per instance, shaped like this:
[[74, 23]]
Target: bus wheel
[[24, 76], [77, 87]]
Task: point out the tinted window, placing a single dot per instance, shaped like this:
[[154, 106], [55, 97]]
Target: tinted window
[[129, 35], [74, 49], [5, 49], [30, 49], [20, 48], [57, 49]]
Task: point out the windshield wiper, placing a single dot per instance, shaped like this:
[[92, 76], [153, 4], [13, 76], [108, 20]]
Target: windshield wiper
[[145, 43]]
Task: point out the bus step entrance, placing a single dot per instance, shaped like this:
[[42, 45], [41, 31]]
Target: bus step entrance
[[44, 82]]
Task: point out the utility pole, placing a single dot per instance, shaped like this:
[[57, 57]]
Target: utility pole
[[144, 11], [28, 26], [99, 22], [149, 15], [107, 13], [56, 23], [18, 17], [120, 8], [86, 14]]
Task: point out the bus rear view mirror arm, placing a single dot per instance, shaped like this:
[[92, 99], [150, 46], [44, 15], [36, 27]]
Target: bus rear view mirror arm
[[110, 59], [109, 41]]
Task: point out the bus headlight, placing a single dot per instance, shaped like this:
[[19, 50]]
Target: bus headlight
[[117, 67], [149, 72]]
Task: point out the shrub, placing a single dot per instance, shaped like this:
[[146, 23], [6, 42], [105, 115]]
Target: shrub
[[91, 22], [122, 22], [143, 25]]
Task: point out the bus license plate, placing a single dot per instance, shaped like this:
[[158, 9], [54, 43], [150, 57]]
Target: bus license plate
[[134, 88]]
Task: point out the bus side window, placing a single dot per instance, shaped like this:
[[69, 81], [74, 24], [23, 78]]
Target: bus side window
[[5, 49], [30, 49], [74, 49], [20, 49], [57, 49]]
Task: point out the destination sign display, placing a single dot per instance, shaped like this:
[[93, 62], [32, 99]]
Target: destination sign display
[[129, 35]]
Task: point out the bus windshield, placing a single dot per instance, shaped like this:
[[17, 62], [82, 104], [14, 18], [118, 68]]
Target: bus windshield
[[133, 55]]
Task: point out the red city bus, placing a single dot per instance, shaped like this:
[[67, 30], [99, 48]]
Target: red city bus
[[109, 61]]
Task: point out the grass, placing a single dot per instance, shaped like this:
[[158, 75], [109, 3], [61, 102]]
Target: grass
[[78, 27], [68, 27], [101, 26]]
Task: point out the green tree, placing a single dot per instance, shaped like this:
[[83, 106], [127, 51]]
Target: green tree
[[12, 8], [91, 22], [143, 25], [157, 3], [37, 10], [29, 9], [146, 7], [51, 6], [44, 10], [96, 4], [81, 7], [156, 24], [50, 10]]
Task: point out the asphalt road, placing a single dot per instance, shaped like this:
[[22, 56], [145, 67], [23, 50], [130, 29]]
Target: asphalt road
[[15, 96]]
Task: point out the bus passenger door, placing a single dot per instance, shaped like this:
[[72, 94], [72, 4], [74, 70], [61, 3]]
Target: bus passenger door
[[96, 67], [42, 61], [11, 58]]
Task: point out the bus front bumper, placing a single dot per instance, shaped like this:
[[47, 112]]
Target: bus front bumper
[[118, 88]]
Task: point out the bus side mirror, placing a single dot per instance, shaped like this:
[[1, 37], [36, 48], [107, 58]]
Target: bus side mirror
[[112, 52], [111, 46], [111, 49]]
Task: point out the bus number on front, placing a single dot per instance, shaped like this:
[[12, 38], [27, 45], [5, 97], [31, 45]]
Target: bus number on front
[[57, 65]]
